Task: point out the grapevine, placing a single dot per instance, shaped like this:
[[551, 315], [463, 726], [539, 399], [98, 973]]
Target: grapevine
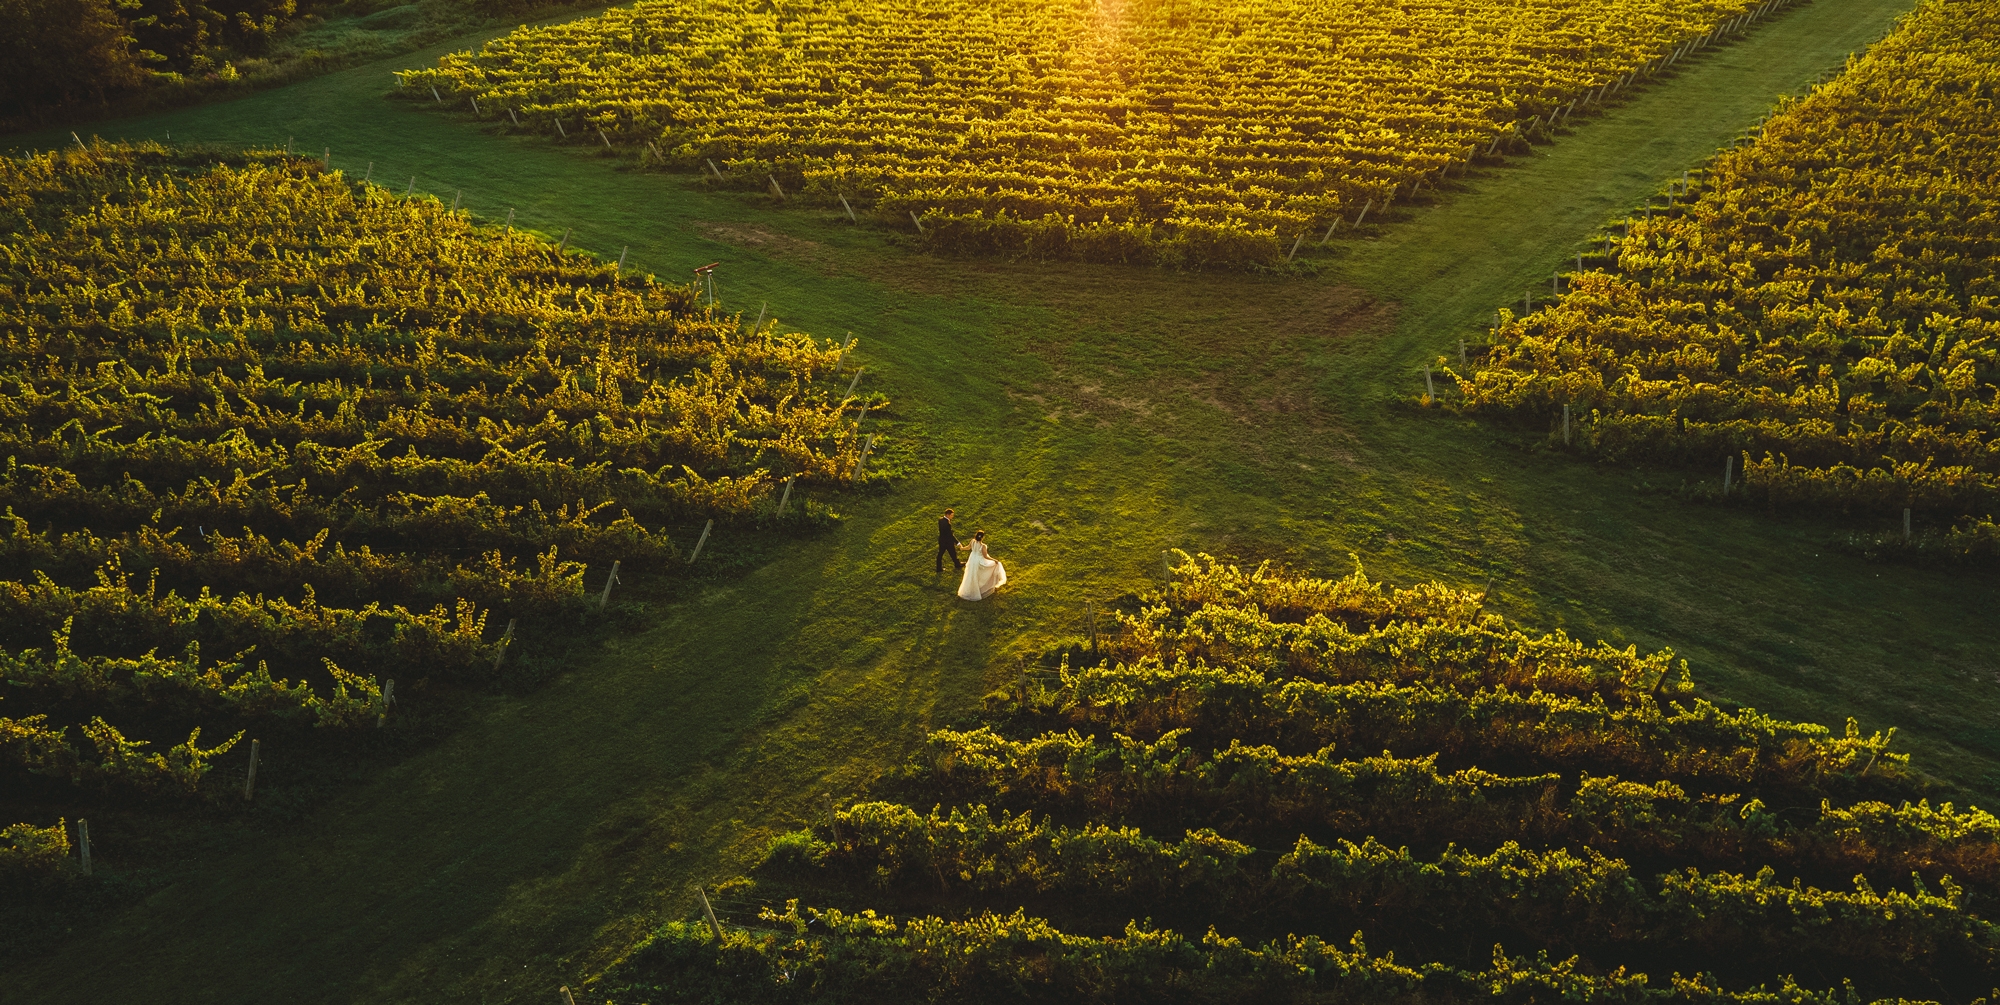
[[1813, 310], [1533, 794], [270, 438], [1186, 134]]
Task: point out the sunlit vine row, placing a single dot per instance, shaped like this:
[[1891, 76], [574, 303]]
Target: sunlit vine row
[[1819, 306], [1152, 130], [1187, 770], [269, 438]]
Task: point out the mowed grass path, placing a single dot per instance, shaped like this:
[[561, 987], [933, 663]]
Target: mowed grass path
[[1125, 411]]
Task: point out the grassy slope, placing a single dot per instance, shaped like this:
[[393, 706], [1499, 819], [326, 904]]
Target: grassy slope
[[1127, 412]]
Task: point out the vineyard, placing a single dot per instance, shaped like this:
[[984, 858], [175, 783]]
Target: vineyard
[[1169, 132], [1813, 314], [274, 439], [1266, 788]]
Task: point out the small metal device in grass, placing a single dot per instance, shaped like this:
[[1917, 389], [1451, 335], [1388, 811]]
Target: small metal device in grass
[[706, 275]]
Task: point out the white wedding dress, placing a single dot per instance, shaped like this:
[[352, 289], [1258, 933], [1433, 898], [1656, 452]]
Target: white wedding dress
[[983, 574]]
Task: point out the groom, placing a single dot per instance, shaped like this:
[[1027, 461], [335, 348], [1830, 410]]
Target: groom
[[947, 544]]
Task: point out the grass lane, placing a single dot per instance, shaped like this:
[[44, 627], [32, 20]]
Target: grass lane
[[1124, 411]]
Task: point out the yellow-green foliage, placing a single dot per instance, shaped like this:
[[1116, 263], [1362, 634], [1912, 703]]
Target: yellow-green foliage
[[30, 849]]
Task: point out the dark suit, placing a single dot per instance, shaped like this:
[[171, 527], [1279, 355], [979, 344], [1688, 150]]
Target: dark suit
[[947, 545]]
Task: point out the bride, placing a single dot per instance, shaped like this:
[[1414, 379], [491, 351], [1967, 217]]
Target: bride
[[983, 572]]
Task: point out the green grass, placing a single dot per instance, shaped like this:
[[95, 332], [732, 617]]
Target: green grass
[[1126, 411]]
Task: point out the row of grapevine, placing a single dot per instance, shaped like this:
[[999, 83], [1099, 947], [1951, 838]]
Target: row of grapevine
[[272, 438], [1188, 134], [1818, 304], [1634, 844]]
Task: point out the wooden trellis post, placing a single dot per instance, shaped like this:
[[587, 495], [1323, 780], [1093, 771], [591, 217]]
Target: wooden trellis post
[[1728, 472], [388, 699], [604, 599], [563, 248], [506, 641], [697, 545], [250, 779], [851, 218], [786, 499], [1430, 389], [775, 187], [1906, 525], [918, 222], [83, 843], [714, 927], [621, 258], [1565, 424], [863, 459]]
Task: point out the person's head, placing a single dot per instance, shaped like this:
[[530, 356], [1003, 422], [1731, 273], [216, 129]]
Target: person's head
[[979, 535], [948, 514]]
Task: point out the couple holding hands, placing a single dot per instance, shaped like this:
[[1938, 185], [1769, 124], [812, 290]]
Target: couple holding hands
[[983, 573]]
